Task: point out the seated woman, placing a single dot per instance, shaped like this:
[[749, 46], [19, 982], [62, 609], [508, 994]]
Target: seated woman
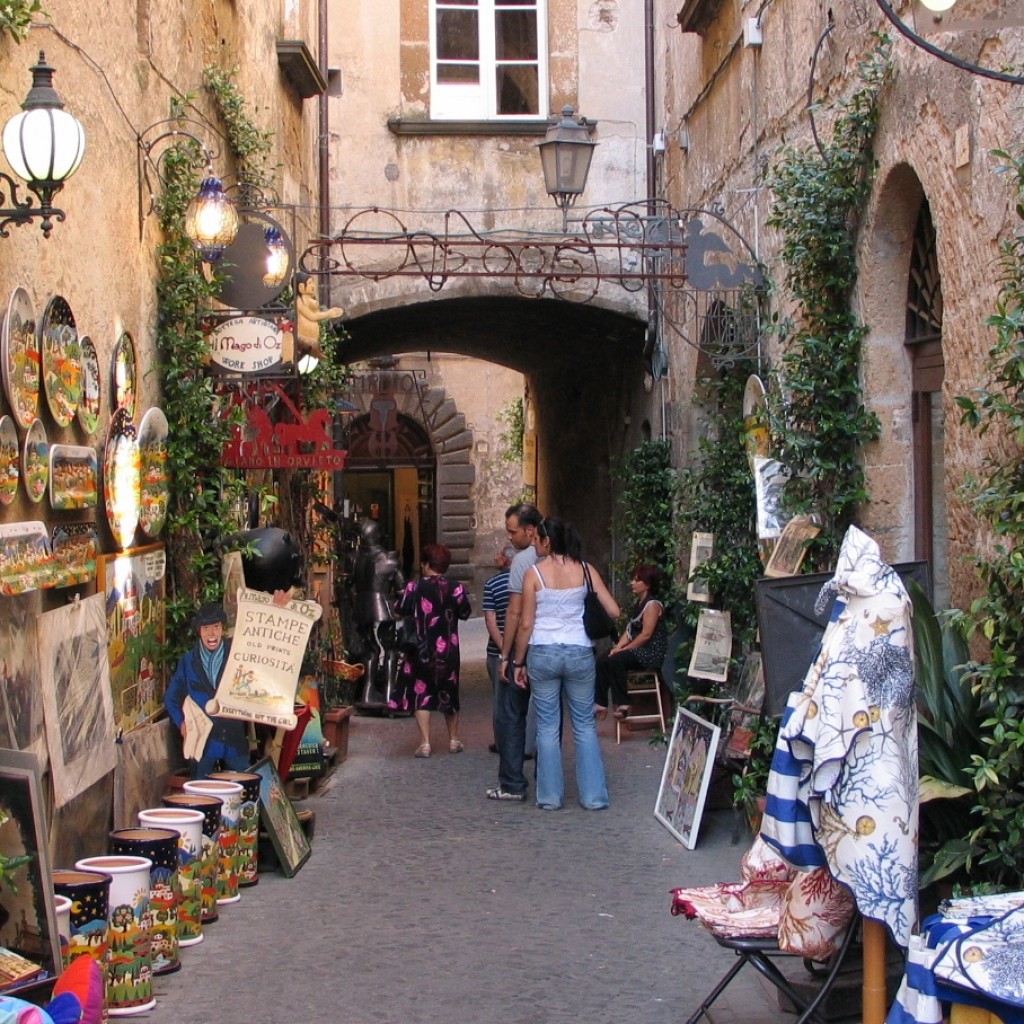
[[642, 646]]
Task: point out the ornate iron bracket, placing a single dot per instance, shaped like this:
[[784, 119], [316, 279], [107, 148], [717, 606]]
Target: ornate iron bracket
[[23, 211]]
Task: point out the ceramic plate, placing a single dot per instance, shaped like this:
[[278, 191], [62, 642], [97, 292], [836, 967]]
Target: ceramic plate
[[62, 362], [156, 479], [756, 438], [121, 478], [74, 547], [21, 359], [73, 477], [89, 403], [35, 461], [24, 557], [10, 460], [126, 380]]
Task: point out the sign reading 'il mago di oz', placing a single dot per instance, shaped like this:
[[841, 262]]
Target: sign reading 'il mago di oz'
[[246, 344]]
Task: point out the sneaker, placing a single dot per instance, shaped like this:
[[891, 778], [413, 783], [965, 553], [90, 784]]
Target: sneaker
[[497, 793]]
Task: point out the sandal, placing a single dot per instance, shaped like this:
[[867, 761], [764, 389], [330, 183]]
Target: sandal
[[622, 711], [455, 747], [423, 750], [497, 793]]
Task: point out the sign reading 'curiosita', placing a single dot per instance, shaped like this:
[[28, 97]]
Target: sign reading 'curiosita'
[[246, 344], [262, 671]]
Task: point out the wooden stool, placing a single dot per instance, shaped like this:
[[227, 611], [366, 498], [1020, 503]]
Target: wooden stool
[[642, 683]]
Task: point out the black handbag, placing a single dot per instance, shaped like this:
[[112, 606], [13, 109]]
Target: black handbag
[[597, 623], [406, 638]]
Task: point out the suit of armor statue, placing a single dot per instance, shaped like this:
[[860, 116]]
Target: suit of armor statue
[[378, 579]]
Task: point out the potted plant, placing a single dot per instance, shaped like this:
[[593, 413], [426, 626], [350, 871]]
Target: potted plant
[[750, 784]]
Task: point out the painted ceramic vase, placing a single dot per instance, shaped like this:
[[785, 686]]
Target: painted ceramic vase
[[89, 893], [210, 806], [160, 845], [129, 965], [62, 908], [187, 827], [249, 823], [231, 816]]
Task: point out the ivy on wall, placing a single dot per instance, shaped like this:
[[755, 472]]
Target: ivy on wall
[[823, 424], [16, 17]]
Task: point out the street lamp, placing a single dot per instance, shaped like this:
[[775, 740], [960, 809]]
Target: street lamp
[[44, 146], [565, 156]]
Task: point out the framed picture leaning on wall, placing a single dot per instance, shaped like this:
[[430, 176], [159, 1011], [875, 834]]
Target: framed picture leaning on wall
[[687, 774]]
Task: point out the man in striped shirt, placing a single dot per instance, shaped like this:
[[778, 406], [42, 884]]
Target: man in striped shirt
[[495, 606]]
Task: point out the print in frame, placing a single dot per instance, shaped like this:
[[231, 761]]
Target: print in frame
[[687, 775], [280, 821]]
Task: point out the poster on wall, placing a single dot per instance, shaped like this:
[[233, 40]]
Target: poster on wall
[[133, 586], [262, 670], [76, 696], [21, 696]]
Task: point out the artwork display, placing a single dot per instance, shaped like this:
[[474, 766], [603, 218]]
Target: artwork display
[[20, 353], [702, 547], [62, 360], [74, 550], [791, 547], [280, 821], [122, 478], [76, 696], [24, 557], [747, 708], [687, 775], [35, 461], [73, 477], [263, 663], [21, 698], [756, 437], [770, 479], [132, 586], [10, 460], [126, 375], [90, 402], [28, 919], [712, 649], [155, 474]]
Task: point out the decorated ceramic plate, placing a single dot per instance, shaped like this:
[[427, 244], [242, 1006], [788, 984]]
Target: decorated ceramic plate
[[21, 359], [755, 419], [24, 557], [10, 460], [74, 547], [126, 375], [35, 461], [62, 361], [156, 478], [89, 403], [121, 478], [73, 477]]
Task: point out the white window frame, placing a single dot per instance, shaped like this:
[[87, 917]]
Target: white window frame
[[456, 102]]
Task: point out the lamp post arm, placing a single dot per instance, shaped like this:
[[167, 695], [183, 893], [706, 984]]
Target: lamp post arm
[[21, 210]]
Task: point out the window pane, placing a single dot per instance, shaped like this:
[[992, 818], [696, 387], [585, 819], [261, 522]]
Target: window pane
[[457, 3], [515, 3], [515, 35], [458, 74], [458, 35], [517, 89]]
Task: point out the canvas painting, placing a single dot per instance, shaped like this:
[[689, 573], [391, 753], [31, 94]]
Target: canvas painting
[[280, 821], [21, 696], [76, 696], [687, 775]]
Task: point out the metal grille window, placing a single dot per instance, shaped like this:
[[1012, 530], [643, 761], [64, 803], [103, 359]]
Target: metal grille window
[[488, 59]]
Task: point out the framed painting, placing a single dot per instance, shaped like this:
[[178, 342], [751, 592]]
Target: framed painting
[[280, 821], [28, 920], [687, 775]]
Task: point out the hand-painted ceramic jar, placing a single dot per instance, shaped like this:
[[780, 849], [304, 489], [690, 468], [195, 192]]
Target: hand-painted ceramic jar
[[210, 806], [249, 823], [187, 827], [231, 816], [89, 893]]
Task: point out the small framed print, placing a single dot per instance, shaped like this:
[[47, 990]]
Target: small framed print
[[702, 547], [280, 820], [686, 776]]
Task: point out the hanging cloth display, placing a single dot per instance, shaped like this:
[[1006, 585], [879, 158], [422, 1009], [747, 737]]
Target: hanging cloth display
[[843, 787]]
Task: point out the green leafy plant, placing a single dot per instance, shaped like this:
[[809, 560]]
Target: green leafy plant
[[16, 17], [820, 422], [250, 145], [513, 417], [10, 865], [751, 781]]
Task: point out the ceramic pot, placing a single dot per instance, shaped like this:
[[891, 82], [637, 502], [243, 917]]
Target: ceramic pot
[[62, 908], [231, 815], [160, 845], [129, 965], [89, 893], [187, 827], [210, 806], [248, 824]]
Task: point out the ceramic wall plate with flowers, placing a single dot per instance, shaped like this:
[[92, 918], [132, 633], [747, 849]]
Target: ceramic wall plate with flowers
[[73, 477], [122, 478], [20, 355], [125, 374], [156, 477], [10, 460], [89, 405], [62, 360], [35, 461], [24, 557], [75, 547]]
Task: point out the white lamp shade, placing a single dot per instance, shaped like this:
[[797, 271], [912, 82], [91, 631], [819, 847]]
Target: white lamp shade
[[938, 6], [44, 144]]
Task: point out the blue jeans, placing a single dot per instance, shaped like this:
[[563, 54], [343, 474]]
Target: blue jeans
[[553, 668], [494, 672], [510, 728]]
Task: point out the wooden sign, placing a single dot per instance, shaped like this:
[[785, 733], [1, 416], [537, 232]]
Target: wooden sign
[[246, 345]]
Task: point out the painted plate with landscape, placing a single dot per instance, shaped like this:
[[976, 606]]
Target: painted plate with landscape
[[156, 478], [35, 461], [126, 374], [21, 359], [90, 401], [73, 477], [10, 460], [122, 478], [62, 361]]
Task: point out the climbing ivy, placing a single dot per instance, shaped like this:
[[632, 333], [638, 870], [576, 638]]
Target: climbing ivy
[[16, 17], [512, 416], [823, 424], [249, 144]]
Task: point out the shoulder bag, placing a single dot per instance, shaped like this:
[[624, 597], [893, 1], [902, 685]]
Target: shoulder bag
[[597, 623]]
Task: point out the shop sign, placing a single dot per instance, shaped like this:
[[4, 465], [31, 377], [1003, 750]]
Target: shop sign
[[246, 345]]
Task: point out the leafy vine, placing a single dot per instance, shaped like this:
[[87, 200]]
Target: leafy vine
[[16, 17]]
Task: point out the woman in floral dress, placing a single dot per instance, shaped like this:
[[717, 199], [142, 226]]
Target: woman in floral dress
[[430, 675]]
